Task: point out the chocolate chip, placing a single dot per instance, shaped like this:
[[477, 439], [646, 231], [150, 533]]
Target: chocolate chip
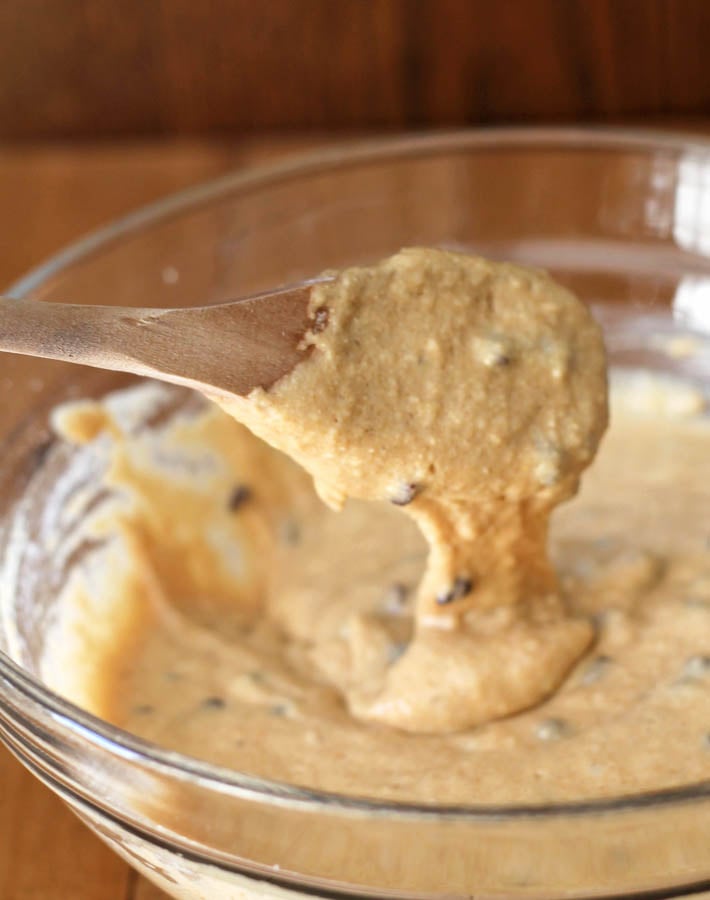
[[213, 703], [143, 709], [460, 588], [596, 669], [320, 320], [552, 729], [395, 598], [493, 351], [394, 651], [696, 666], [279, 710], [290, 532], [697, 602], [240, 495], [404, 493]]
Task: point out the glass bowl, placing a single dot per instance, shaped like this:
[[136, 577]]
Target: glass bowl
[[621, 217]]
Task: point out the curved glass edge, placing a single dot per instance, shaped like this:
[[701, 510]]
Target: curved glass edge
[[130, 747], [356, 152]]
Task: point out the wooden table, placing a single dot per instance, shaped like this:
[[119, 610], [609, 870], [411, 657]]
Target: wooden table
[[49, 196]]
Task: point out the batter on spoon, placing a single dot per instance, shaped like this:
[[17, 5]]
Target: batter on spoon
[[471, 394]]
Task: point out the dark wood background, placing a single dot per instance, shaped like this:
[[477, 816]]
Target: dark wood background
[[113, 68]]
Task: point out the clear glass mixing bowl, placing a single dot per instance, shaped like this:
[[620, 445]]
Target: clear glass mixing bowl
[[624, 218]]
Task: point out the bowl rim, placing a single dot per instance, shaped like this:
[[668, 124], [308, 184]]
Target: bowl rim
[[353, 152]]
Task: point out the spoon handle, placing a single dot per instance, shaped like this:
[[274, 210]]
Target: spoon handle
[[99, 336], [232, 348], [104, 337]]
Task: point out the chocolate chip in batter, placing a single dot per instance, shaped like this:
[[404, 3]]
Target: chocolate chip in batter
[[596, 669], [394, 651], [461, 587], [280, 710], [290, 532], [240, 495], [552, 729], [696, 667], [501, 359], [396, 598], [493, 351], [144, 709], [320, 320], [404, 493], [697, 602], [213, 703]]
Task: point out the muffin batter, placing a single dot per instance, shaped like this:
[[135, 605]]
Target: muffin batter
[[472, 394], [215, 606]]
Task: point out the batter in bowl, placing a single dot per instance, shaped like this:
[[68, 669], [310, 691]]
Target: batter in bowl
[[251, 626]]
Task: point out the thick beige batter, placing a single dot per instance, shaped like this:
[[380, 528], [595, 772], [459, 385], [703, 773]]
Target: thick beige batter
[[251, 626], [472, 394]]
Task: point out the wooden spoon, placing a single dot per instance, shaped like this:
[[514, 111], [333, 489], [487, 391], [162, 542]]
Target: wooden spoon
[[226, 349]]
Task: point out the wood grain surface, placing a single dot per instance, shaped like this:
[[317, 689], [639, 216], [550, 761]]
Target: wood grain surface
[[54, 195], [93, 68]]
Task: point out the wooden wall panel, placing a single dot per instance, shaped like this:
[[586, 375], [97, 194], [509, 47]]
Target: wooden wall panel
[[92, 68]]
